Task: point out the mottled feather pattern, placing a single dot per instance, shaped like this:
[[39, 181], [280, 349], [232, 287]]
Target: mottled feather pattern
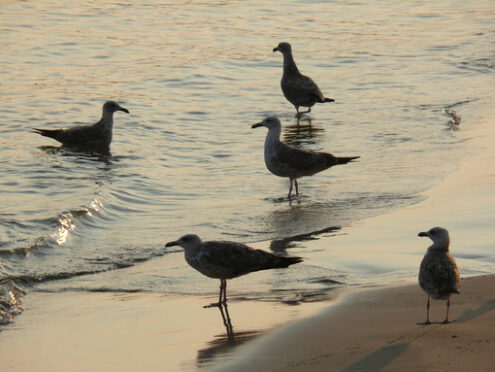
[[439, 276], [288, 161], [229, 260]]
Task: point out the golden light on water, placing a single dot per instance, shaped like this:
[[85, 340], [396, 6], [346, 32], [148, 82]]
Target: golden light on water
[[66, 226], [68, 221]]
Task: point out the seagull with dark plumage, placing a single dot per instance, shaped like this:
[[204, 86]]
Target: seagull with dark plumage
[[438, 273], [287, 161], [300, 90], [96, 136], [226, 260]]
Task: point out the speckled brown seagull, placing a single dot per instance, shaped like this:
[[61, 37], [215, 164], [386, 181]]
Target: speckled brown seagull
[[286, 161], [97, 136], [226, 260], [300, 90], [438, 273]]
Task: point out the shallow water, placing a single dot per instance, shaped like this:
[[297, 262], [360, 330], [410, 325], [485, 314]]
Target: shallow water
[[195, 77]]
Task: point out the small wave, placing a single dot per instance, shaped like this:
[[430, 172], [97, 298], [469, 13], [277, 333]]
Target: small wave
[[10, 300], [454, 118]]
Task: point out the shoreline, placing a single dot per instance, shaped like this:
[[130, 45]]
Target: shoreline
[[370, 329], [376, 328], [152, 331]]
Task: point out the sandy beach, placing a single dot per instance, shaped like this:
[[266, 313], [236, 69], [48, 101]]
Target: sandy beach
[[375, 330]]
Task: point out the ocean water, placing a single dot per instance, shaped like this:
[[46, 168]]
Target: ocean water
[[195, 76]]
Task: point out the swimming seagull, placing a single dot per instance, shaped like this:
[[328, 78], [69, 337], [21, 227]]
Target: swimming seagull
[[300, 90], [98, 135], [438, 273], [286, 161], [226, 260]]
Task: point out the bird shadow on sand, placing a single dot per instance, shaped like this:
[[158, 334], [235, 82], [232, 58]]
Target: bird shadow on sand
[[472, 314], [379, 359], [224, 343]]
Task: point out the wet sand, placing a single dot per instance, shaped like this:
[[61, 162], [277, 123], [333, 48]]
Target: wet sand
[[81, 331]]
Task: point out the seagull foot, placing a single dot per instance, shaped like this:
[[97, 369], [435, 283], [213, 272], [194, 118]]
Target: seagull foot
[[425, 323], [214, 304]]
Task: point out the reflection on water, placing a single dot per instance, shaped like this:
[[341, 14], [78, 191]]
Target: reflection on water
[[89, 154], [281, 245], [224, 344], [303, 132]]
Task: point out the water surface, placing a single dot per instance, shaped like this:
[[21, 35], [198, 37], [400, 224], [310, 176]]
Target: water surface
[[195, 76]]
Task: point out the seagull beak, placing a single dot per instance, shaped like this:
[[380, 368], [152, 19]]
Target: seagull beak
[[423, 233], [275, 49], [256, 125], [124, 109], [171, 244]]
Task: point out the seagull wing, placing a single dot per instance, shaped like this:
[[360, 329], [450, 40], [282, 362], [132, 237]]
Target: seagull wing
[[309, 162], [239, 259], [438, 277], [311, 88]]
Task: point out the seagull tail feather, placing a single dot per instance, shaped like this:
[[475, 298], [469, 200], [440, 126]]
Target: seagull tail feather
[[272, 261], [346, 159], [52, 133]]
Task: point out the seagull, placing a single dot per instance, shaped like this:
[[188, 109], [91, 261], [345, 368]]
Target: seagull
[[300, 90], [98, 135], [226, 260], [286, 161], [438, 273]]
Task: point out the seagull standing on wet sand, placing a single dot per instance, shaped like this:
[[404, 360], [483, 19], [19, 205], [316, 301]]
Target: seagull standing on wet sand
[[300, 90], [98, 135], [286, 161], [438, 273], [226, 260]]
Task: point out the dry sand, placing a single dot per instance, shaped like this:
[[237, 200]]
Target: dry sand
[[377, 329]]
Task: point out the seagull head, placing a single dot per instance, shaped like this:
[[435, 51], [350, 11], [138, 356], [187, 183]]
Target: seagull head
[[283, 48], [270, 122], [186, 241], [439, 236], [111, 106]]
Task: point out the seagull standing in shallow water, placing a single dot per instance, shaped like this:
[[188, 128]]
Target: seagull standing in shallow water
[[226, 260], [300, 90], [286, 161], [438, 273], [96, 136]]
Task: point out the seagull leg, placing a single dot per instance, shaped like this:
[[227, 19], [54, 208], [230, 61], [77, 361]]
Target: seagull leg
[[427, 312], [446, 321], [290, 187], [219, 303], [298, 114], [305, 112], [224, 301], [297, 189]]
